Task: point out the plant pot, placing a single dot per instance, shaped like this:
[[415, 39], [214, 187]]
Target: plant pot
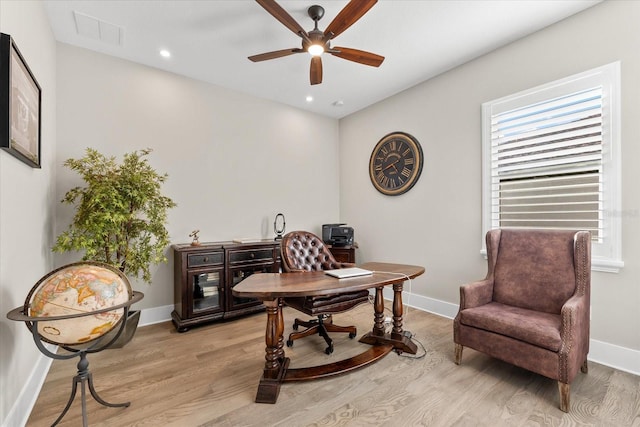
[[131, 324]]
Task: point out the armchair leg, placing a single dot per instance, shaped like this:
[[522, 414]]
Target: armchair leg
[[564, 396], [584, 368], [458, 354]]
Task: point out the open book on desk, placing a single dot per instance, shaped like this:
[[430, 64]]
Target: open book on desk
[[343, 273]]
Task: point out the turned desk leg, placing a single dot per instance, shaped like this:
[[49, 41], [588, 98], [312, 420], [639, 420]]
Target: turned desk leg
[[396, 332], [396, 338], [275, 364], [280, 331], [378, 313]]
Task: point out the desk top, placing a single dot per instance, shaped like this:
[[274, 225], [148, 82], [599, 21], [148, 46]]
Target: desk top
[[268, 286]]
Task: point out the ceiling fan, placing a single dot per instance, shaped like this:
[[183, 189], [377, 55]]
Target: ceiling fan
[[316, 41]]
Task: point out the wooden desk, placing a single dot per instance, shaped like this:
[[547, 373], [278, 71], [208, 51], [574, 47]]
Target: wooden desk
[[271, 288]]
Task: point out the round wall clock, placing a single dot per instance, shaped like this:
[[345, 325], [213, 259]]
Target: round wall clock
[[396, 163]]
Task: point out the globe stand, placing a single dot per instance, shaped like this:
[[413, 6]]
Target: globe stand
[[84, 376]]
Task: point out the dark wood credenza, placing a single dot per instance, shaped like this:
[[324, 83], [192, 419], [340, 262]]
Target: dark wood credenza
[[343, 253], [204, 276]]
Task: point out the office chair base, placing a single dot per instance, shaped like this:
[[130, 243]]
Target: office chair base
[[321, 326]]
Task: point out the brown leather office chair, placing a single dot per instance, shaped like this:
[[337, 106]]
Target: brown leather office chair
[[304, 251], [532, 309]]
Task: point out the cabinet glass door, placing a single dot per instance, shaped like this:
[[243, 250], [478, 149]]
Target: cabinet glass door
[[206, 291], [237, 276]]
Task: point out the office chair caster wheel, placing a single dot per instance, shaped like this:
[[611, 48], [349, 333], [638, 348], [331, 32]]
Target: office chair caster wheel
[[289, 343], [295, 326], [329, 349], [352, 335]]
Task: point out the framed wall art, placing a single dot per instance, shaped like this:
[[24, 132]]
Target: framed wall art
[[20, 105]]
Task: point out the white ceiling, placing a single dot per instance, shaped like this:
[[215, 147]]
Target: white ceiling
[[211, 40]]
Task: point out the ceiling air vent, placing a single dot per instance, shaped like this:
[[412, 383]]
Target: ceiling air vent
[[91, 27]]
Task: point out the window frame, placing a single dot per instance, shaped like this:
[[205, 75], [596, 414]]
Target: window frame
[[607, 255]]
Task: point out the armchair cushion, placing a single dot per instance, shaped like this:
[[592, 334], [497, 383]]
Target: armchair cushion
[[534, 327]]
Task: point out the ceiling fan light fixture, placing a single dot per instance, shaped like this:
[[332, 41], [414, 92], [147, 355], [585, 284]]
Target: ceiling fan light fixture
[[316, 42], [315, 49]]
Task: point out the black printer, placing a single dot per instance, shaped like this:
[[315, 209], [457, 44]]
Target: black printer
[[337, 234]]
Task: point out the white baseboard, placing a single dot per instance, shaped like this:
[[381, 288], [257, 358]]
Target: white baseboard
[[149, 316], [622, 358], [19, 413], [614, 356]]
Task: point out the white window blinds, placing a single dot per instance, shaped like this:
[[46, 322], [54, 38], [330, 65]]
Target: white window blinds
[[551, 159], [546, 164]]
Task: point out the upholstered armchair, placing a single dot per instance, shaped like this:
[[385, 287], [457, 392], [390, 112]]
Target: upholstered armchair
[[532, 309], [302, 252]]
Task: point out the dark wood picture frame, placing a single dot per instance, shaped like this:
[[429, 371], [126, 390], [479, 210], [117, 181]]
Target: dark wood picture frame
[[20, 105]]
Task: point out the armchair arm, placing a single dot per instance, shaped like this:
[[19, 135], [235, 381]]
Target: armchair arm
[[475, 294], [574, 335]]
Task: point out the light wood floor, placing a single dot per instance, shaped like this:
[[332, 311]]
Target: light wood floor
[[208, 377]]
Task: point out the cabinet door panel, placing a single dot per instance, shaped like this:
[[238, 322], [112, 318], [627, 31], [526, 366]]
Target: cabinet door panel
[[237, 275], [206, 291]]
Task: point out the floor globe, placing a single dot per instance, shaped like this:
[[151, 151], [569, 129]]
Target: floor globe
[[79, 290]]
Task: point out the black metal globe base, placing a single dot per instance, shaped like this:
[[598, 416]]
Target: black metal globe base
[[84, 376]]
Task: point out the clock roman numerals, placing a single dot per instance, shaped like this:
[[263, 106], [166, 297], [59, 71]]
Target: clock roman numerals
[[388, 182]]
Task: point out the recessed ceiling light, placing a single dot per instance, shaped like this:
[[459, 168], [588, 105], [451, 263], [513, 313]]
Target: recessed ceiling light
[[338, 103], [309, 98], [165, 53]]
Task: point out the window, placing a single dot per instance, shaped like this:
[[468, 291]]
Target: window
[[551, 159]]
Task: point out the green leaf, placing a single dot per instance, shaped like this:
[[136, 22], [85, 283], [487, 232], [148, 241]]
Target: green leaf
[[120, 212]]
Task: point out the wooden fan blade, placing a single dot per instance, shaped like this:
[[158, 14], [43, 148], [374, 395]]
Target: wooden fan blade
[[275, 54], [348, 16], [281, 15], [359, 56], [315, 73]]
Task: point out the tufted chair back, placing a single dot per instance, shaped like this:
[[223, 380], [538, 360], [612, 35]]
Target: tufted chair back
[[304, 251]]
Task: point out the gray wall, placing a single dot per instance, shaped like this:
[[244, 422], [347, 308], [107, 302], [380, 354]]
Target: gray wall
[[438, 223], [26, 209], [233, 161]]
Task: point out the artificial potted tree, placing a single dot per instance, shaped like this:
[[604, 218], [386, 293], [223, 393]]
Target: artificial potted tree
[[120, 216]]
